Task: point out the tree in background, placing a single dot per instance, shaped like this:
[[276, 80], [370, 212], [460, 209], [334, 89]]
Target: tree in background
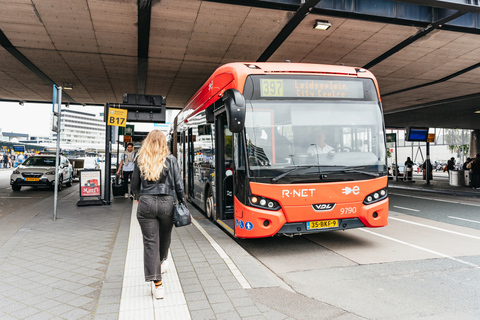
[[456, 139]]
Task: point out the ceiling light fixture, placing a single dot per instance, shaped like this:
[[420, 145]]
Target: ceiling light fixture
[[67, 86], [321, 25], [476, 111]]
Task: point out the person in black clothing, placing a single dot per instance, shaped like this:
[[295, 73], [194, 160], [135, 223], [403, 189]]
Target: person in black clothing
[[5, 160], [450, 165], [464, 167], [425, 165], [476, 172], [408, 168], [156, 180]]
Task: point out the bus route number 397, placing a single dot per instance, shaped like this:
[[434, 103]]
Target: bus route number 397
[[272, 88], [348, 210]]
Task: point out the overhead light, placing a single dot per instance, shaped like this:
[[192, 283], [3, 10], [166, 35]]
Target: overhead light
[[476, 111], [67, 86], [322, 25]]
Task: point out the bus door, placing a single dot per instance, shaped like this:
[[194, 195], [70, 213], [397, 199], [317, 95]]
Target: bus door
[[190, 156], [224, 171]]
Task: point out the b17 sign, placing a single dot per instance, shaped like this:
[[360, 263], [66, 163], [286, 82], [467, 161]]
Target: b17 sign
[[117, 117]]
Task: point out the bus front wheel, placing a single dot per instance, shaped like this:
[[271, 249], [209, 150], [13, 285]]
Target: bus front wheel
[[209, 206]]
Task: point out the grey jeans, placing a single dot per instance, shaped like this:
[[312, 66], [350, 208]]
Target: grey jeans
[[155, 215]]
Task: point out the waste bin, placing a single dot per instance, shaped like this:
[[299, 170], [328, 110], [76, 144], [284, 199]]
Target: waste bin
[[468, 178], [457, 178]]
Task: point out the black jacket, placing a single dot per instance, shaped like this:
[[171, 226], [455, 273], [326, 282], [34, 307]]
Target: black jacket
[[169, 183]]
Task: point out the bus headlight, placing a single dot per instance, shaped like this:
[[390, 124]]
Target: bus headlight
[[375, 196], [264, 203]]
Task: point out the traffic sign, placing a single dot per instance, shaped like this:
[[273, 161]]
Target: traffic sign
[[117, 117], [127, 138]]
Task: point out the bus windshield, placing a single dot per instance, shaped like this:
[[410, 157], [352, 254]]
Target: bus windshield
[[284, 134]]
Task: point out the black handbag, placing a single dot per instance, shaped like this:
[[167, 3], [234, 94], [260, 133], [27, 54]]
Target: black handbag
[[181, 215]]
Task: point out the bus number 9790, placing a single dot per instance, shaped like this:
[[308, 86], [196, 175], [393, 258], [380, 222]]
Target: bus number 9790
[[348, 210]]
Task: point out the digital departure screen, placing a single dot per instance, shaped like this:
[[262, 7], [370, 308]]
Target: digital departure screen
[[416, 134], [19, 148], [311, 88]]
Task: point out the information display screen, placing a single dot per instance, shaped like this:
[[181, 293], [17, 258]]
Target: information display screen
[[311, 88], [19, 148], [416, 134]]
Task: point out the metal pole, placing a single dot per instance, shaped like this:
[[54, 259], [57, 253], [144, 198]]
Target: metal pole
[[108, 160], [57, 154], [396, 158]]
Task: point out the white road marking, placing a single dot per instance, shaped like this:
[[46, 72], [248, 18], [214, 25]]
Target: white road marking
[[434, 199], [231, 265], [435, 228], [464, 219], [406, 208], [19, 197], [423, 249]]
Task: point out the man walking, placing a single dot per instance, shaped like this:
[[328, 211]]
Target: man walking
[[127, 161]]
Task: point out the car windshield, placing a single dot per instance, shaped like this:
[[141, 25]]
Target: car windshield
[[40, 161], [281, 134]]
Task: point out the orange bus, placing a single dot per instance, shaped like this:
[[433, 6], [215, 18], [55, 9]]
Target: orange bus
[[285, 149]]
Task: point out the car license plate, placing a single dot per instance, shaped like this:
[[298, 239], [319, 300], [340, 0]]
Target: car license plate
[[32, 179], [322, 224]]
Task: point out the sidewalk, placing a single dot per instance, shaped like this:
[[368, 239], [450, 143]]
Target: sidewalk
[[439, 184]]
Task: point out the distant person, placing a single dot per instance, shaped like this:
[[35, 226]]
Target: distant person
[[409, 168], [476, 172], [20, 158], [5, 160], [427, 165], [409, 163], [464, 167], [450, 165], [126, 166], [320, 146], [155, 182]]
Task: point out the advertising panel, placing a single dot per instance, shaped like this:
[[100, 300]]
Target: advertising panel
[[90, 183]]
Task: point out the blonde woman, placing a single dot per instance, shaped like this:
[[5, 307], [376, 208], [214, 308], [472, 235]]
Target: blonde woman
[[155, 181]]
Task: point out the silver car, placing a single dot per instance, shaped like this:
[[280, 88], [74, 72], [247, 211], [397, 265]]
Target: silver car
[[39, 171]]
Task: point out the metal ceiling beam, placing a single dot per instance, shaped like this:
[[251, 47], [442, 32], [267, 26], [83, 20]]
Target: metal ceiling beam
[[5, 43], [144, 17], [288, 29], [461, 5], [353, 14], [412, 39]]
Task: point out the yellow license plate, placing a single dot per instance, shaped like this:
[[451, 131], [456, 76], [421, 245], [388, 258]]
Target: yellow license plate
[[322, 224], [32, 179]]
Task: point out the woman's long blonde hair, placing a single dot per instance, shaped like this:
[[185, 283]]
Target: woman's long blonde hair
[[152, 155]]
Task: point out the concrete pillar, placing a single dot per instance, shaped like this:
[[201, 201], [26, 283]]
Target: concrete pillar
[[474, 143]]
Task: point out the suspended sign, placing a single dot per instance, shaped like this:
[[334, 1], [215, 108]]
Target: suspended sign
[[117, 117]]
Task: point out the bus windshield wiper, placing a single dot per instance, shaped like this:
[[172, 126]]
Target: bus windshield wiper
[[355, 170], [299, 167]]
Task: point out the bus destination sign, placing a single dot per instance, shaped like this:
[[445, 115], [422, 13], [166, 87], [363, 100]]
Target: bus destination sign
[[304, 88]]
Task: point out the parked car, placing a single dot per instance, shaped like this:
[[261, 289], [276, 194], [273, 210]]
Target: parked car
[[83, 163], [39, 171]]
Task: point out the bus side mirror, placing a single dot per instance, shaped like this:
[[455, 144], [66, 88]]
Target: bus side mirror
[[235, 107]]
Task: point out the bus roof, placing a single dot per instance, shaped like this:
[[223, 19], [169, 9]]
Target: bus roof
[[233, 75]]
